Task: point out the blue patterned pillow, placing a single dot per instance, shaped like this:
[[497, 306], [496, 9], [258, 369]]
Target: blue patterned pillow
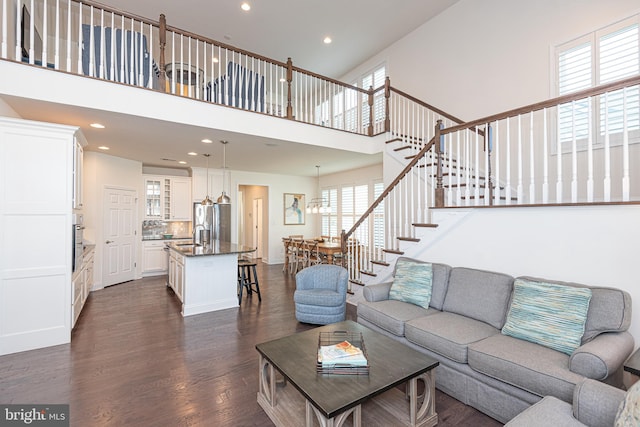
[[548, 314], [412, 283]]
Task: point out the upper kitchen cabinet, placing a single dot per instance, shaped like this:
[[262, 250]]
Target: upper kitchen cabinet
[[36, 204], [167, 198], [199, 179], [78, 159]]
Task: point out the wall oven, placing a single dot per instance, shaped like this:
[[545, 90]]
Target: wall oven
[[78, 247]]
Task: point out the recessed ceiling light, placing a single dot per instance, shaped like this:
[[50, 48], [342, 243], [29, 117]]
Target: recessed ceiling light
[[103, 147], [245, 6], [182, 162], [282, 80], [192, 153], [327, 40], [97, 125], [215, 60], [207, 141]]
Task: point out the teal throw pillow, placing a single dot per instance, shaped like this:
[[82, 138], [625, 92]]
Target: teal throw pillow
[[548, 314], [412, 283]]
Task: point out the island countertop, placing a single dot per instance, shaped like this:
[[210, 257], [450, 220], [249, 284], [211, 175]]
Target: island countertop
[[218, 247]]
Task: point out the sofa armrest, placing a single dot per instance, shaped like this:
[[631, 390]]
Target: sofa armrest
[[602, 356], [596, 404], [377, 292]]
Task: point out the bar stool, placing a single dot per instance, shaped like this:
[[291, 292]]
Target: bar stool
[[247, 278]]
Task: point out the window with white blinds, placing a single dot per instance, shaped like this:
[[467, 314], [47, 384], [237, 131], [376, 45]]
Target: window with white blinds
[[373, 79], [606, 55], [330, 219], [355, 201]]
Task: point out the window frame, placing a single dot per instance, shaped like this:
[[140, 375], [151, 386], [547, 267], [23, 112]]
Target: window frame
[[593, 40]]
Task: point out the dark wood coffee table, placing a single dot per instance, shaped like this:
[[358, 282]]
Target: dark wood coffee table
[[333, 398]]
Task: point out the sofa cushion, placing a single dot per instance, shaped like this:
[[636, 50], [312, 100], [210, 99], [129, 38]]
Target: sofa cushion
[[439, 281], [531, 367], [447, 334], [548, 412], [391, 315], [412, 283], [478, 294], [548, 314]]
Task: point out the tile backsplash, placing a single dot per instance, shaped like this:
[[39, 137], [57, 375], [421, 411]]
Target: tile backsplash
[[154, 229]]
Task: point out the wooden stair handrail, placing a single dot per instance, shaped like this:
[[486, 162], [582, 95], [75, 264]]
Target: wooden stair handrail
[[390, 187], [553, 102]]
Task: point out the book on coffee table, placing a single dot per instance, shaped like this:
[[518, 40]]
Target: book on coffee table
[[342, 353]]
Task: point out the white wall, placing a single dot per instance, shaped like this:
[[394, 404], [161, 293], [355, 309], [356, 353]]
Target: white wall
[[592, 245], [100, 171], [483, 57], [274, 208]]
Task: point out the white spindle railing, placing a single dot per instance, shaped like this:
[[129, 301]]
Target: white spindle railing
[[91, 40], [586, 158]]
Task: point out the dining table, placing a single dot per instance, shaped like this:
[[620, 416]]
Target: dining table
[[329, 249]]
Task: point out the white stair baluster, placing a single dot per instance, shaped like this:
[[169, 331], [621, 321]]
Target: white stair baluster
[[519, 171]]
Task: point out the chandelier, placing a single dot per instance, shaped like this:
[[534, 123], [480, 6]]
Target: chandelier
[[318, 204]]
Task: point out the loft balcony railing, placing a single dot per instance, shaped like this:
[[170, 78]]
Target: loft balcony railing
[[91, 40]]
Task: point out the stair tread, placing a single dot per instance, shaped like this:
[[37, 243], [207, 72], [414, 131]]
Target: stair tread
[[408, 239], [368, 273], [418, 224], [380, 262], [393, 251], [356, 282]]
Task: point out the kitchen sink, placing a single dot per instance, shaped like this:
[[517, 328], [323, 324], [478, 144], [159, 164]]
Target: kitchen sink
[[188, 245]]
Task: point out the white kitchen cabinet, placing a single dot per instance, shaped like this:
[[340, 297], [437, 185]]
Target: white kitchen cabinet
[[181, 205], [78, 159], [167, 198], [36, 206], [82, 284], [154, 258], [176, 274], [199, 183]]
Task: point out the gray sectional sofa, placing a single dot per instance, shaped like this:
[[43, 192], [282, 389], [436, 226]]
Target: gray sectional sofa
[[499, 374]]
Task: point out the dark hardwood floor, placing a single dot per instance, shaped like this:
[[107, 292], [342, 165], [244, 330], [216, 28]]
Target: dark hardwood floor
[[135, 361]]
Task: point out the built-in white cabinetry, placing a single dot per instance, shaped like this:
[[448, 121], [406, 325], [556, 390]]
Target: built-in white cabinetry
[[176, 274], [36, 205], [167, 198], [82, 284], [199, 183], [78, 158], [181, 207], [154, 258]]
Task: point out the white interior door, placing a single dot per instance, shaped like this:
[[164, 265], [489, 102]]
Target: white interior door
[[119, 236], [257, 226]]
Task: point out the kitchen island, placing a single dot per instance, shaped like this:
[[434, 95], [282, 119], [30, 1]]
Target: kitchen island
[[205, 277]]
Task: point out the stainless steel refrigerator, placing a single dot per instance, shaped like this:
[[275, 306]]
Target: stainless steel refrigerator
[[211, 222]]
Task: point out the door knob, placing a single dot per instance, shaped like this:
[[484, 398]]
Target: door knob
[[109, 241]]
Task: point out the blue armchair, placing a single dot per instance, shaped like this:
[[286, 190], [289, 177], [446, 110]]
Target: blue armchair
[[321, 294]]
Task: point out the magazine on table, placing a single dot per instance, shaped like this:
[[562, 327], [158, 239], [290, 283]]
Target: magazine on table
[[343, 353]]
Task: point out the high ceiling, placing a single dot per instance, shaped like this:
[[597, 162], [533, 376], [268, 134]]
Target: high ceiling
[[281, 29], [277, 29]]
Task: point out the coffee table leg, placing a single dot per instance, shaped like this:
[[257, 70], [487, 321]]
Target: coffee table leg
[[336, 421], [267, 386], [425, 415]]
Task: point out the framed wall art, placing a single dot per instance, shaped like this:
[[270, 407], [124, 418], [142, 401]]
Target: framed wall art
[[294, 204]]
